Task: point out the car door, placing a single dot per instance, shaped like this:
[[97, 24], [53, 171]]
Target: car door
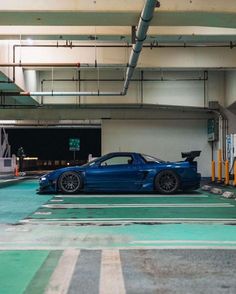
[[116, 173]]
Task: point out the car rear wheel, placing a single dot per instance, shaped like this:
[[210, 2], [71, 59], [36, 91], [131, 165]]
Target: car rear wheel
[[69, 182], [167, 182]]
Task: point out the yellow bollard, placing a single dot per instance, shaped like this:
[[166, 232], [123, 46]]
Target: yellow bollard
[[213, 171], [226, 172], [234, 173], [219, 165]]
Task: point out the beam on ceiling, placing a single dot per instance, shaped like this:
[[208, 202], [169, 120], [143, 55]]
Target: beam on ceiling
[[47, 32], [104, 112], [215, 13], [114, 5]]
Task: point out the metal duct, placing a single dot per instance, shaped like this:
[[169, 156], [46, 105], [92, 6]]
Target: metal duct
[[141, 34]]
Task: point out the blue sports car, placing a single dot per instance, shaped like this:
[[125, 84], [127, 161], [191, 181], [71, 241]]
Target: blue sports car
[[125, 172]]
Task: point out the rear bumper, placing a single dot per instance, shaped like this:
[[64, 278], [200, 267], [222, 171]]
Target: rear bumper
[[191, 184]]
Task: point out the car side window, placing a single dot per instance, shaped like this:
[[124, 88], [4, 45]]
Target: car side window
[[117, 160]]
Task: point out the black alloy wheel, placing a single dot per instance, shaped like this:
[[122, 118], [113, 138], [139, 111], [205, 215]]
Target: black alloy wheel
[[167, 182], [69, 182]]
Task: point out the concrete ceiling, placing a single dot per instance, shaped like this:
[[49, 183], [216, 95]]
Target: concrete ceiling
[[175, 22], [211, 13], [119, 34]]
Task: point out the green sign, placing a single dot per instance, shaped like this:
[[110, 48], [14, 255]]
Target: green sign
[[74, 144]]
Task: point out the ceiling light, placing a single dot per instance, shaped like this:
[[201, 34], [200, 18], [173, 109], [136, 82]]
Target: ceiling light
[[30, 41]]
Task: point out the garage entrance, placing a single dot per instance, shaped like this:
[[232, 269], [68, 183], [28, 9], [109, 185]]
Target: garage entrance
[[49, 148]]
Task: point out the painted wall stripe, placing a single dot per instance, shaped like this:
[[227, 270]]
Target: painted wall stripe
[[111, 278], [61, 277]]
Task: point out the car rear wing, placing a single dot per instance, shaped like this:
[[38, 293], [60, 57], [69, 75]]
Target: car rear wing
[[190, 156]]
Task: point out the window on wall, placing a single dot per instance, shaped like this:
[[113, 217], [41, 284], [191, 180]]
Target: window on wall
[[117, 160], [7, 162]]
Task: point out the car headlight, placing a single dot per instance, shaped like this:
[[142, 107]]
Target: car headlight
[[43, 178]]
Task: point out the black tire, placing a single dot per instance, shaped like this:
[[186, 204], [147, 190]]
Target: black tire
[[167, 182], [69, 182]]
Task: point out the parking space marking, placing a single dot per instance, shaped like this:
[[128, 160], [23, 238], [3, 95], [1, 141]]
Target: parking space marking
[[60, 280], [137, 247], [112, 221], [151, 205], [182, 241], [111, 278], [131, 196], [42, 213]]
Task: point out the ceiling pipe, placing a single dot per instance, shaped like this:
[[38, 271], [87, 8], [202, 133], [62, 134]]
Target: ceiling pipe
[[71, 94], [132, 80], [151, 45], [141, 34], [73, 65]]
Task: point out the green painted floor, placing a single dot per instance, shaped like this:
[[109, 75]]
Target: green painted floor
[[143, 207], [19, 200], [26, 272], [35, 231]]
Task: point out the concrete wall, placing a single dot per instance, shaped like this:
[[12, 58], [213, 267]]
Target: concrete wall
[[157, 57], [175, 89], [165, 139], [230, 87]]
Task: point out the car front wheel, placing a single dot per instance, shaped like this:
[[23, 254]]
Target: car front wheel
[[69, 182], [167, 182]]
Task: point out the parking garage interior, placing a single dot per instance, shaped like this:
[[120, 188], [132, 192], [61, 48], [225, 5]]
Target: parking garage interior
[[82, 79]]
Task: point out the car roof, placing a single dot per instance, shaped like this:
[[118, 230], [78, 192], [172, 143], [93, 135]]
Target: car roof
[[122, 153]]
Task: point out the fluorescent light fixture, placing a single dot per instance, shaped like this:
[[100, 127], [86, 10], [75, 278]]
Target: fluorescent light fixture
[[31, 158], [30, 41], [7, 122]]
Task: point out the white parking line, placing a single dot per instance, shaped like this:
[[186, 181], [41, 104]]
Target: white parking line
[[112, 221], [182, 241], [55, 247], [149, 205], [131, 196], [43, 213], [111, 277], [60, 280]]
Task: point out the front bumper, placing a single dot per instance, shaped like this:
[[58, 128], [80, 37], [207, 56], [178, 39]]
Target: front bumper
[[46, 186]]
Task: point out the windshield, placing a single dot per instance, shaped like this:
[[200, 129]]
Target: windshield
[[149, 158], [92, 162]]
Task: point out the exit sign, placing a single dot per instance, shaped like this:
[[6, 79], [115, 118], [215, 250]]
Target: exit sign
[[74, 144]]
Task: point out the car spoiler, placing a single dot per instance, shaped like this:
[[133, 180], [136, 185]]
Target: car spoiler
[[190, 156]]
